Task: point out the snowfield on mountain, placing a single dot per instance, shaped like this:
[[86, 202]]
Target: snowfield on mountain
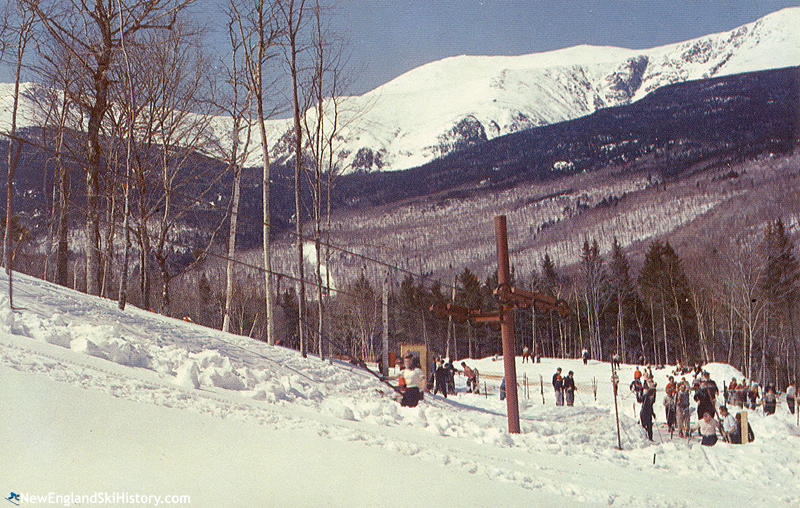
[[102, 402], [461, 101]]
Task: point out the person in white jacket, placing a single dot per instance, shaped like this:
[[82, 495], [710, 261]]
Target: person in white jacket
[[415, 382], [728, 422], [708, 429]]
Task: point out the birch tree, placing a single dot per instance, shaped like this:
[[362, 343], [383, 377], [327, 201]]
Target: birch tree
[[17, 31], [238, 107], [259, 31], [593, 279], [292, 18], [322, 126]]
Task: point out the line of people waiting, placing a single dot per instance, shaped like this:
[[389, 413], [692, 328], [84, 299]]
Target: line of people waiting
[[677, 404]]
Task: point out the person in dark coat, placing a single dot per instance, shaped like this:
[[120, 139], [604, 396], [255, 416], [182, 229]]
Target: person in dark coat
[[770, 400], [568, 386], [736, 435], [440, 379], [451, 378], [704, 402], [646, 414], [558, 387]]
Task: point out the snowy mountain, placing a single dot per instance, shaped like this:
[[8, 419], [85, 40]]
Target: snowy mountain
[[461, 101]]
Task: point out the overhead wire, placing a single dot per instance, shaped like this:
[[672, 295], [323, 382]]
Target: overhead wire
[[194, 200], [229, 212]]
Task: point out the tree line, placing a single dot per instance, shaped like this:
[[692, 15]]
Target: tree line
[[738, 306], [129, 98]]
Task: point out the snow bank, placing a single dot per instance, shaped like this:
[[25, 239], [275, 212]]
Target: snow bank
[[565, 456]]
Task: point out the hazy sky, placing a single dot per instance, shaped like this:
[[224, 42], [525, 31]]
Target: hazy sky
[[390, 37]]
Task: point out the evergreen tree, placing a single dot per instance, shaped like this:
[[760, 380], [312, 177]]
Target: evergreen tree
[[550, 280], [551, 283], [409, 301], [652, 283], [469, 294], [665, 289]]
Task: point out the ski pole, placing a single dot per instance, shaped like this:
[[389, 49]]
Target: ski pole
[[660, 438]]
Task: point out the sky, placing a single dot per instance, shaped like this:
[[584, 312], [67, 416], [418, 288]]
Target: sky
[[390, 37]]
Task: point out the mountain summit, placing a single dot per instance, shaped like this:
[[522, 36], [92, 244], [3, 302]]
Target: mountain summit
[[457, 102], [462, 101]]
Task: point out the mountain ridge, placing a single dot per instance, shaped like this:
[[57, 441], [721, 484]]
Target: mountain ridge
[[460, 101], [409, 121]]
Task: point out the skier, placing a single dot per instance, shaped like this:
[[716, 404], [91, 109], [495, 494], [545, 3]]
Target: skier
[[585, 355], [736, 435], [526, 354], [472, 378], [728, 423], [451, 378], [646, 414], [708, 429], [711, 387], [741, 394], [704, 402], [670, 391], [440, 378], [415, 382], [753, 396], [568, 386], [791, 394], [682, 410], [558, 387], [730, 396], [636, 384], [770, 400]]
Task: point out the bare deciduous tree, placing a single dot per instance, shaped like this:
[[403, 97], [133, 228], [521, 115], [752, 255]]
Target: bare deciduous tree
[[237, 105], [17, 31], [293, 18], [92, 33], [258, 29]]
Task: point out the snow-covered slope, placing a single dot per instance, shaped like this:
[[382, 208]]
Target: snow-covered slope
[[449, 104], [100, 402]]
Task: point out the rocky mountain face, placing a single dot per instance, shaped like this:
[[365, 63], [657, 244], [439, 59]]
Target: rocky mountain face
[[675, 131], [459, 102]]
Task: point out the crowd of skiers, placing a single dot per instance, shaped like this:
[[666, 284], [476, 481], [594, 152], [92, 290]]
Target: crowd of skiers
[[711, 419]]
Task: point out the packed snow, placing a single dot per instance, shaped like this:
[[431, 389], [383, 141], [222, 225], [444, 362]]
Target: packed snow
[[109, 407]]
